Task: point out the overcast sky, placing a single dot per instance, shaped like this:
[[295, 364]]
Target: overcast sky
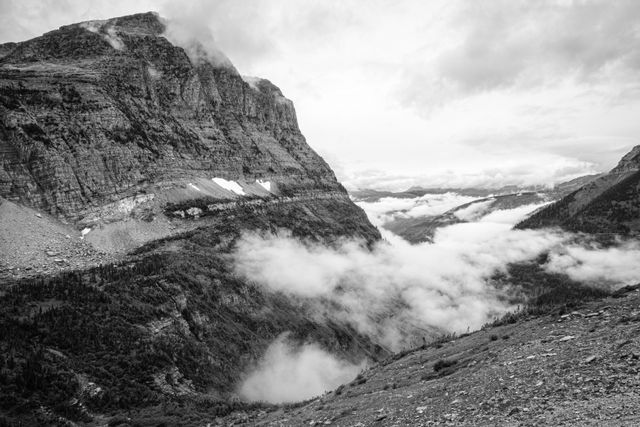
[[434, 93]]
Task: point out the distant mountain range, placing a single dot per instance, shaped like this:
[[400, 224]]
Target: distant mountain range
[[559, 190], [416, 229]]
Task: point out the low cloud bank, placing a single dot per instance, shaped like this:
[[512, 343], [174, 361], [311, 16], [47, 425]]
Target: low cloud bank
[[398, 293], [511, 216], [474, 210], [427, 288], [287, 373], [614, 266], [388, 208]]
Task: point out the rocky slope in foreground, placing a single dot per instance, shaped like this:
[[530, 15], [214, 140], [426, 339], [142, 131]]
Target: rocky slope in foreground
[[608, 204], [573, 366]]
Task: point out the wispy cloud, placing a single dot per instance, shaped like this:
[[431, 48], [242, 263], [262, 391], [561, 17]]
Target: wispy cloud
[[388, 208], [290, 373], [611, 266]]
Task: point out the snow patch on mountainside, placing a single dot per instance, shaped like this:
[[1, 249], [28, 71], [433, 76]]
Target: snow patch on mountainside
[[265, 184], [230, 185]]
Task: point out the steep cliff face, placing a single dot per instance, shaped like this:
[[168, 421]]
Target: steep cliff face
[[608, 204], [104, 124], [98, 111]]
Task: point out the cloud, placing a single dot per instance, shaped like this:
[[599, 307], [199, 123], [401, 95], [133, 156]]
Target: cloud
[[215, 29], [614, 266], [489, 171], [473, 211], [388, 208], [511, 216], [195, 37], [396, 292], [425, 289], [508, 42], [24, 19], [269, 259], [437, 204], [289, 373]]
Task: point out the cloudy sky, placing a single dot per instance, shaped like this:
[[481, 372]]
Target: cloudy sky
[[434, 93]]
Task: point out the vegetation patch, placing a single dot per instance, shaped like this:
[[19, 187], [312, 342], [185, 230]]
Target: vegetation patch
[[443, 364]]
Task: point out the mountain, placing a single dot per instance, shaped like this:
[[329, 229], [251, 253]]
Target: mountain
[[558, 190], [87, 123], [608, 204], [130, 168], [107, 124], [371, 195]]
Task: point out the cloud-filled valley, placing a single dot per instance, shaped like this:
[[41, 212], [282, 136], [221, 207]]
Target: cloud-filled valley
[[397, 292]]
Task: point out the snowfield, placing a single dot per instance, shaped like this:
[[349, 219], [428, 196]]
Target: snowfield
[[230, 185], [265, 184]]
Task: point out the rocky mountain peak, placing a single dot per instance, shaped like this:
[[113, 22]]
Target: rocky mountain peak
[[86, 39], [149, 23], [99, 115]]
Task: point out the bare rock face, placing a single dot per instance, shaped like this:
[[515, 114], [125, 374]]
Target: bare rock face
[[97, 112]]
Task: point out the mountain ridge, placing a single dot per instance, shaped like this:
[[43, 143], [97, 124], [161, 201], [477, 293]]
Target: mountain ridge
[[609, 204]]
